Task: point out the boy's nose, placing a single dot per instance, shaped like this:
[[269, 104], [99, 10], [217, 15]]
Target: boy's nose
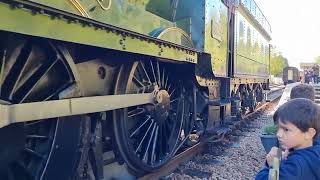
[[279, 133]]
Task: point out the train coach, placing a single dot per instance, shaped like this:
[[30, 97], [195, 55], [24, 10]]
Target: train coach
[[86, 83], [290, 75]]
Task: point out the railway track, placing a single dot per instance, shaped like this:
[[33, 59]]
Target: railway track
[[231, 128], [239, 156]]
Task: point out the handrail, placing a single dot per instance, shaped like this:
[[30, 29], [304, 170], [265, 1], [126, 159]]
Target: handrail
[[252, 8], [102, 6], [80, 8]]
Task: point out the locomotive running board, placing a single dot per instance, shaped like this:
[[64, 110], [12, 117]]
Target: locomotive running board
[[24, 112]]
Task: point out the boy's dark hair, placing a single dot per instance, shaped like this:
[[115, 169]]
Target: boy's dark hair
[[301, 112], [302, 91]]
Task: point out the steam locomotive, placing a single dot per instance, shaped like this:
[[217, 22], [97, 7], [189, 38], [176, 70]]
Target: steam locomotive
[[88, 83]]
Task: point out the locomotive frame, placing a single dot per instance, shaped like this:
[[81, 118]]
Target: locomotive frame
[[75, 83]]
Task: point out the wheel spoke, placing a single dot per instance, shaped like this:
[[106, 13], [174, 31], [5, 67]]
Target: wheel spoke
[[187, 126], [34, 153], [34, 136], [16, 70], [162, 83], [154, 74], [137, 81], [10, 60], [153, 153], [40, 75], [182, 105], [2, 68], [158, 73], [56, 93], [165, 86], [145, 72], [138, 129], [144, 136], [174, 100], [169, 88], [21, 64], [172, 92], [181, 143], [136, 112], [145, 156], [28, 76]]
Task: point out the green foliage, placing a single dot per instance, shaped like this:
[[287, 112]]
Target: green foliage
[[317, 60], [277, 62], [270, 129]]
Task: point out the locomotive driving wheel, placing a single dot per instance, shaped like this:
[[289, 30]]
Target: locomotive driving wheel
[[148, 136], [34, 70]]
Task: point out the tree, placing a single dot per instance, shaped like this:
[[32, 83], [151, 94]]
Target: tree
[[277, 62], [317, 60]]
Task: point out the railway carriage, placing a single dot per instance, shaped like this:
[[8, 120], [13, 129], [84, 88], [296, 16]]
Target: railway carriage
[[290, 75], [86, 83]]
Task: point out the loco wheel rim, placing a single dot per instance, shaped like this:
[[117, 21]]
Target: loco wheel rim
[[147, 140], [36, 70]]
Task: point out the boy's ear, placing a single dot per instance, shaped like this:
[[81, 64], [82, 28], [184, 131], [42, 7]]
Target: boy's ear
[[310, 133]]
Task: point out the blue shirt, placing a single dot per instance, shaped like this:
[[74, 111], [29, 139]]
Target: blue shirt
[[301, 164], [317, 141]]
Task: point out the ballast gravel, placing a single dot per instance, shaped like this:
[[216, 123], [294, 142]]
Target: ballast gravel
[[239, 158]]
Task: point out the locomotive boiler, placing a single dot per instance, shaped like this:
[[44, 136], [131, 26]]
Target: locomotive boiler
[[88, 83]]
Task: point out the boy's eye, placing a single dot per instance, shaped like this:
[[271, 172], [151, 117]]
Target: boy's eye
[[286, 129]]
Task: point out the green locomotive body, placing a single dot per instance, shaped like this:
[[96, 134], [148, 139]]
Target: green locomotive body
[[85, 84]]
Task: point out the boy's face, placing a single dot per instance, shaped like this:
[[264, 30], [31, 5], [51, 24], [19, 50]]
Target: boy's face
[[290, 136]]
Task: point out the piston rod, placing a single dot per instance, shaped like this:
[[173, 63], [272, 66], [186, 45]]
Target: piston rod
[[15, 113]]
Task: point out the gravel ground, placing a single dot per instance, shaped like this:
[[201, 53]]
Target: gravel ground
[[241, 158]]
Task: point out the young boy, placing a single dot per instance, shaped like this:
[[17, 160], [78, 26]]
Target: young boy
[[302, 91], [299, 124]]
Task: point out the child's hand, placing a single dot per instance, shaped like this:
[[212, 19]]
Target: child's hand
[[272, 154], [285, 154]]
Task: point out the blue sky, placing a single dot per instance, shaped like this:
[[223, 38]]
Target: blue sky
[[295, 28]]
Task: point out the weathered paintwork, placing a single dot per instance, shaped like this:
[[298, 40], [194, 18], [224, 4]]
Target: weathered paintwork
[[202, 25], [251, 50], [124, 14], [207, 20], [216, 35], [24, 21], [142, 16]]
